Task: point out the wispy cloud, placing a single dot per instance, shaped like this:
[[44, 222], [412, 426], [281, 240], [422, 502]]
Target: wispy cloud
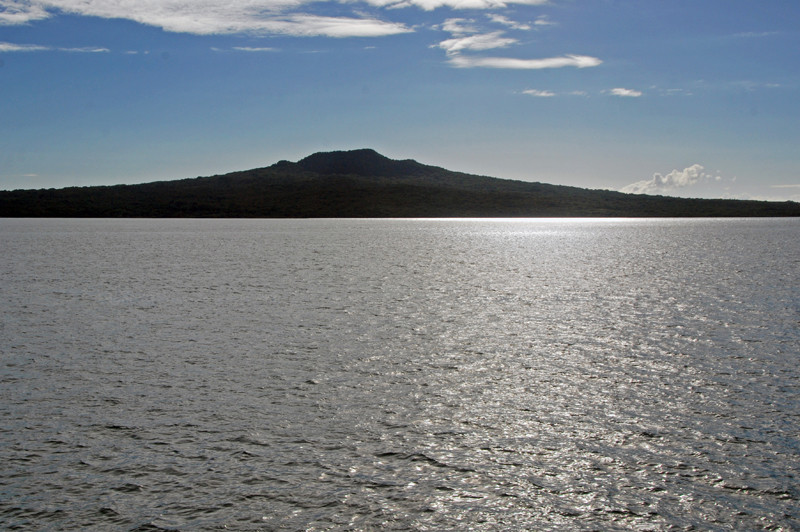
[[14, 12], [11, 47], [676, 179], [302, 25], [752, 86], [85, 50], [254, 49], [486, 41], [207, 17], [430, 5], [505, 21], [785, 186], [756, 34], [246, 49], [578, 61], [539, 93], [672, 92], [459, 26], [286, 17], [625, 93], [468, 36]]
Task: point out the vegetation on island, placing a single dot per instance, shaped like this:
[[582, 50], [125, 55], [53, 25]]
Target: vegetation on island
[[362, 183]]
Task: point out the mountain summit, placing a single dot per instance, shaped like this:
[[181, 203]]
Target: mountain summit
[[361, 183], [364, 162]]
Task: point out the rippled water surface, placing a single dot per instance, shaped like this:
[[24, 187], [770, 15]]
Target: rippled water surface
[[410, 375]]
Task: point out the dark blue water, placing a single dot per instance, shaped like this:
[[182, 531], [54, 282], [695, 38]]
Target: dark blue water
[[408, 375]]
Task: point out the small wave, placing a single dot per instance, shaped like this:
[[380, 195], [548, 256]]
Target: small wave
[[421, 457]]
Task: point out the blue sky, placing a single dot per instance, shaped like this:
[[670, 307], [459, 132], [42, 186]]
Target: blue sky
[[695, 98]]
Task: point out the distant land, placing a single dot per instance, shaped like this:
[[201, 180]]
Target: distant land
[[362, 184]]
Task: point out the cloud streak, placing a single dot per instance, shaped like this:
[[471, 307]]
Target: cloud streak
[[625, 93], [302, 25], [206, 17], [578, 61], [505, 21], [458, 26], [11, 47], [254, 49], [210, 17], [539, 93], [674, 180], [487, 41], [429, 5], [468, 37]]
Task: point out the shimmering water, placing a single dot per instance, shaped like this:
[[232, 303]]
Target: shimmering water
[[409, 375]]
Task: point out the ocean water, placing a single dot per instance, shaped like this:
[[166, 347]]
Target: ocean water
[[400, 374]]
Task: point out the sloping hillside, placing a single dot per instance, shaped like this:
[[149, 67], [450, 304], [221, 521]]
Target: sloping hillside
[[361, 183]]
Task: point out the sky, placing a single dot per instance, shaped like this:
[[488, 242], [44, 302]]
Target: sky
[[692, 98]]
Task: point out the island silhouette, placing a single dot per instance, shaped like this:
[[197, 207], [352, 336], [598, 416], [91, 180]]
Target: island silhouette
[[362, 184]]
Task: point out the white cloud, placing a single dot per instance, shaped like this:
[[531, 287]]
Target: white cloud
[[505, 21], [429, 5], [13, 12], [579, 61], [206, 17], [543, 20], [468, 37], [676, 179], [625, 93], [313, 25], [549, 94], [486, 41], [11, 47], [254, 49], [539, 93], [85, 50], [459, 26], [198, 16], [247, 49]]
